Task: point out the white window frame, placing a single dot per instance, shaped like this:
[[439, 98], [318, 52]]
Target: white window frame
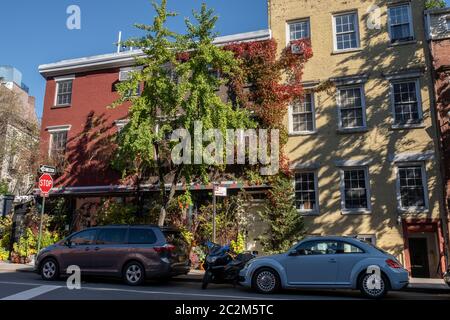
[[358, 36], [291, 22], [58, 81], [400, 208], [411, 22], [419, 123], [363, 107], [291, 118], [346, 211], [57, 129], [312, 212]]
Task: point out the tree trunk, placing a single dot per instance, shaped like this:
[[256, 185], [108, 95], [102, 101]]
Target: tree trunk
[[168, 199]]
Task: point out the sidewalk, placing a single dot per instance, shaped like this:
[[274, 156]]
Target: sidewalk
[[428, 285], [11, 267]]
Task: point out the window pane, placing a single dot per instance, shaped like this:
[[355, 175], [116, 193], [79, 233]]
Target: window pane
[[305, 191], [141, 236], [83, 238], [406, 104], [355, 189], [112, 236], [58, 143], [349, 248], [299, 30], [303, 115], [400, 23], [351, 108], [412, 190], [64, 95], [346, 31]]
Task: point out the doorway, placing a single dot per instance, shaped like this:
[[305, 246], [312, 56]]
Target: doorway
[[420, 265]]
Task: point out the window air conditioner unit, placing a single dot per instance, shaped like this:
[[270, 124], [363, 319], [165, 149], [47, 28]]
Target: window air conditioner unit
[[296, 49], [124, 75]]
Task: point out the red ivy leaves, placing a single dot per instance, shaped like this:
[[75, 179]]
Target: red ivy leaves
[[268, 85]]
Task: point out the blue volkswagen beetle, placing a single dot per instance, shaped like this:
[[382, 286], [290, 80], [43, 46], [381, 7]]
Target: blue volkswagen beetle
[[328, 262]]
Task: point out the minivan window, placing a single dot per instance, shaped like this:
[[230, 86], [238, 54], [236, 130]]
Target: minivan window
[[111, 236], [141, 236], [83, 238]]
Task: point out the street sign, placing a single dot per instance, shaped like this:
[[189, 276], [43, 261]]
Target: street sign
[[220, 192], [48, 169], [45, 183]]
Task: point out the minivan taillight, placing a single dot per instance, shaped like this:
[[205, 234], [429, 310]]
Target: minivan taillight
[[393, 264], [165, 248]]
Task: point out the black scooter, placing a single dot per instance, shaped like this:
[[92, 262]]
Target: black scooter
[[222, 266]]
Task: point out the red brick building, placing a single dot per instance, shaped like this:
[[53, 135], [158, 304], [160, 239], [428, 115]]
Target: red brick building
[[78, 127], [438, 28]]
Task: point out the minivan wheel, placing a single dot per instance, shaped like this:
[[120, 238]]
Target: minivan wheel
[[134, 274], [266, 281], [366, 284], [49, 270]]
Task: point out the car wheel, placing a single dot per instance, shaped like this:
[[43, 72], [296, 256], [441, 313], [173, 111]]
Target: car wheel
[[266, 281], [49, 270], [134, 274], [370, 290]]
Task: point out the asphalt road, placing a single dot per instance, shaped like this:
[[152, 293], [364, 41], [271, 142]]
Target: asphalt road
[[29, 286]]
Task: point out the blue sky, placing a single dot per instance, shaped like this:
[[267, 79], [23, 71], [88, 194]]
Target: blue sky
[[34, 32]]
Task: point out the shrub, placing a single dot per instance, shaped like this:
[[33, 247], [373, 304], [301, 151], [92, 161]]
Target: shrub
[[238, 246], [4, 254]]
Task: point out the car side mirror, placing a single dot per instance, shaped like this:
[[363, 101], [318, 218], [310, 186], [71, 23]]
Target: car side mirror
[[294, 253], [68, 243]]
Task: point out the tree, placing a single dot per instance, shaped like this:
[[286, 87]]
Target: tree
[[179, 90], [435, 4], [285, 224], [18, 142]]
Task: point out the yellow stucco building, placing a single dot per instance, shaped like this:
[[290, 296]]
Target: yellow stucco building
[[364, 148]]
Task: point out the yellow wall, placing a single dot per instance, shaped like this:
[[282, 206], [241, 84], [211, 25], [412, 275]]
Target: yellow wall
[[376, 57]]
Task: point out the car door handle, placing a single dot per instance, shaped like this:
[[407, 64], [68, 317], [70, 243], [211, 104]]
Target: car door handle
[[332, 261], [97, 249], [87, 249]]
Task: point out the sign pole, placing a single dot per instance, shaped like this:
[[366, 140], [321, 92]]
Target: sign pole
[[214, 213], [40, 225]]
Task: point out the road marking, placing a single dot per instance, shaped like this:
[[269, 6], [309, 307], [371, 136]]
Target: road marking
[[30, 294], [143, 292]]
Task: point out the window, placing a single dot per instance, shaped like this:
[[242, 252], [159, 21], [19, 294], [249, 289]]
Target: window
[[368, 238], [120, 124], [318, 248], [111, 236], [407, 102], [141, 236], [348, 248], [352, 110], [346, 31], [298, 30], [412, 183], [64, 92], [355, 190], [400, 23], [83, 238], [306, 192], [448, 24], [58, 143], [125, 74], [303, 115]]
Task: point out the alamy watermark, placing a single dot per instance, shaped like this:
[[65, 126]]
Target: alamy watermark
[[235, 147], [74, 20]]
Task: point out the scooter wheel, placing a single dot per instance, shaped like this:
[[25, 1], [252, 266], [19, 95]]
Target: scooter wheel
[[206, 279]]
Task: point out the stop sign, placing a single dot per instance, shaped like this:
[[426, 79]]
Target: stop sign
[[45, 183]]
